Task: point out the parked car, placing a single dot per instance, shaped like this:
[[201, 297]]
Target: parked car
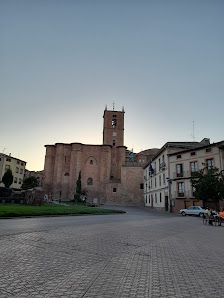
[[193, 210]]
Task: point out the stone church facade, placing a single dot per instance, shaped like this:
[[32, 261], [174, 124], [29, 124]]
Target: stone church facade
[[109, 172]]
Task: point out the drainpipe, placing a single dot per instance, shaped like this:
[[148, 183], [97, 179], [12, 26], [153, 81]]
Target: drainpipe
[[169, 181]]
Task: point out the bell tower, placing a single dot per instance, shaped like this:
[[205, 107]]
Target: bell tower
[[113, 128]]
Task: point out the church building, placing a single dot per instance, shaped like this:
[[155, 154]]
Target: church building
[[109, 172]]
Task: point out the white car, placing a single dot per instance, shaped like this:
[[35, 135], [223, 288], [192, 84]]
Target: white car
[[193, 210]]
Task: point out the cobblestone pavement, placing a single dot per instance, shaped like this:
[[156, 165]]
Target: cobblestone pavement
[[137, 254]]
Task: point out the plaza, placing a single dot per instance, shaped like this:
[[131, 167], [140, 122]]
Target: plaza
[[137, 254]]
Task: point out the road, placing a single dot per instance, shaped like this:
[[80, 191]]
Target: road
[[137, 254]]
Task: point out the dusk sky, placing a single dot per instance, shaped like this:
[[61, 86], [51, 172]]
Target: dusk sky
[[62, 62]]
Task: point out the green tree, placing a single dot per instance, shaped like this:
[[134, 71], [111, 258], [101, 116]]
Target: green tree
[[209, 185], [7, 179], [29, 182], [79, 184]]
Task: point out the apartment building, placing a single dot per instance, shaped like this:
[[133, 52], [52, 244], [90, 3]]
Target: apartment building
[[183, 164], [17, 167], [37, 174], [156, 176]]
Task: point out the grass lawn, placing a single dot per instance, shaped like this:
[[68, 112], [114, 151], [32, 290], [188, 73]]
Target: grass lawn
[[12, 210]]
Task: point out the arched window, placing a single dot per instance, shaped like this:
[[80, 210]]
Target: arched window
[[67, 174], [91, 161], [90, 181]]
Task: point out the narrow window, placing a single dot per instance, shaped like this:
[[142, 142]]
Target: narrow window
[[114, 142], [208, 149], [91, 161], [179, 156], [156, 198], [194, 167], [114, 123], [146, 199], [114, 189], [17, 170], [193, 153], [141, 186], [90, 181], [21, 171], [181, 189], [193, 191], [159, 180], [160, 197], [210, 163], [179, 170]]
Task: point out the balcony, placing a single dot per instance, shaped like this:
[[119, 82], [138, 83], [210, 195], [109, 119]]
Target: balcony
[[183, 174], [162, 166], [181, 194], [184, 194], [194, 173]]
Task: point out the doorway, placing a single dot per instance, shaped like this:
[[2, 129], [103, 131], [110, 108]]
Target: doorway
[[166, 203]]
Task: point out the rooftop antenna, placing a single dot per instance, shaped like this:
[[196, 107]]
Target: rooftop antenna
[[113, 105], [193, 136]]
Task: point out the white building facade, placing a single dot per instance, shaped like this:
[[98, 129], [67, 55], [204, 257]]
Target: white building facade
[[17, 166], [155, 182], [157, 178]]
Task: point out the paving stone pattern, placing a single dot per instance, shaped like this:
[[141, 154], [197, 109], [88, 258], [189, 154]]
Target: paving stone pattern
[[144, 255]]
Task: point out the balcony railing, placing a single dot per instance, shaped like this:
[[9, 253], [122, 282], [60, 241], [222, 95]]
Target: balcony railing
[[162, 166], [183, 174], [154, 173], [185, 194], [194, 173]]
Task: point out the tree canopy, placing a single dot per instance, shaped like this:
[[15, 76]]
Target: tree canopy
[[7, 179], [29, 182], [209, 185]]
